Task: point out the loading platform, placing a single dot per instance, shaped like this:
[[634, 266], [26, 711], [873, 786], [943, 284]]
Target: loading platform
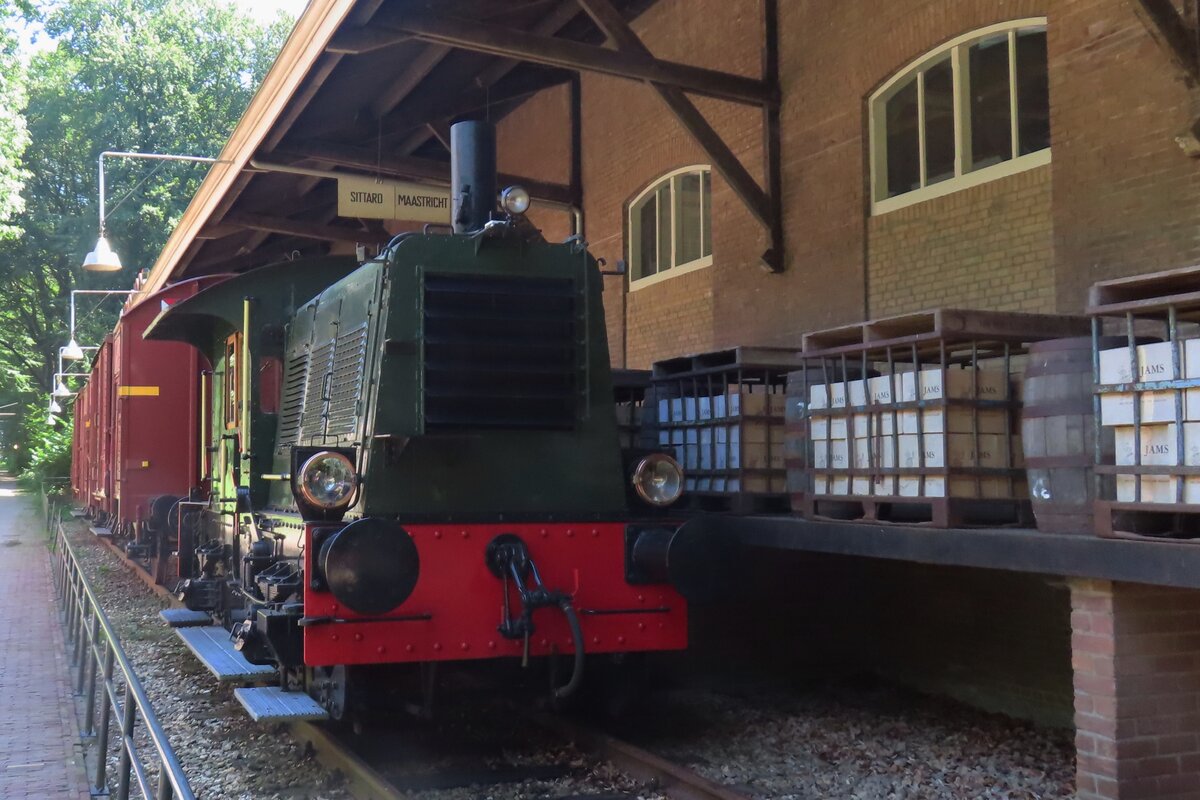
[[1159, 563]]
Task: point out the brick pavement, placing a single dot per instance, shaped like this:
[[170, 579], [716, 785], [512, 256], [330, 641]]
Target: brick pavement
[[40, 753]]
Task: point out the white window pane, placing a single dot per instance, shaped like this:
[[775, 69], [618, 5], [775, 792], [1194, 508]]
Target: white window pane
[[646, 241], [939, 122], [991, 117], [663, 207], [706, 192], [1033, 91], [687, 218], [903, 141]]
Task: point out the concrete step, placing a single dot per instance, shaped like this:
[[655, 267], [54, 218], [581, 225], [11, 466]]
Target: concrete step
[[100, 531], [272, 704]]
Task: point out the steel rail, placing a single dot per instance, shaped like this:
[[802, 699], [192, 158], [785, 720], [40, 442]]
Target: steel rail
[[94, 645], [674, 780]]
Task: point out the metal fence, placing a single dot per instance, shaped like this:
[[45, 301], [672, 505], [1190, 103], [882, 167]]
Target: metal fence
[[96, 653]]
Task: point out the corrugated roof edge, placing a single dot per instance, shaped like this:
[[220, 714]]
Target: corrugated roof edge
[[307, 41]]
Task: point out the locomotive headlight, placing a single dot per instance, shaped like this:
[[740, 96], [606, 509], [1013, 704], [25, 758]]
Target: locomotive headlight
[[327, 480], [515, 200], [658, 479]]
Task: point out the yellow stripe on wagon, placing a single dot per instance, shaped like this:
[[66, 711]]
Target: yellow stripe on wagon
[[137, 391]]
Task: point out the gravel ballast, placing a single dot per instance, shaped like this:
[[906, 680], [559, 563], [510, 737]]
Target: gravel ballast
[[788, 743]]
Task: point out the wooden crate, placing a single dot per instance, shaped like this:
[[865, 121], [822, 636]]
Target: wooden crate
[[915, 402], [722, 414], [1148, 390]]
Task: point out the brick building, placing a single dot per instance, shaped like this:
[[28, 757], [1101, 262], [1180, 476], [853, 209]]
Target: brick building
[[995, 155], [1113, 195]]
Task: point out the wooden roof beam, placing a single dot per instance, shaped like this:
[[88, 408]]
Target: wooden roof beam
[[258, 257], [762, 205], [306, 230], [1177, 37], [367, 39], [555, 52], [366, 159], [442, 107]]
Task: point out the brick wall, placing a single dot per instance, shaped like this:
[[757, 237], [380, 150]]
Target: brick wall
[[1124, 194], [1136, 654], [1117, 198], [994, 640], [989, 246]]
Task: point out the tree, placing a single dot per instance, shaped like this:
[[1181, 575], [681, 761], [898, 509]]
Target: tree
[[163, 76], [13, 134]]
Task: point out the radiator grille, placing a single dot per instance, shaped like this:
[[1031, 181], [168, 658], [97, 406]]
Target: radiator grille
[[500, 352], [349, 362], [292, 403], [316, 397]]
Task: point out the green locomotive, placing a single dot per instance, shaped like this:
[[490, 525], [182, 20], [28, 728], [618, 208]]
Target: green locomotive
[[404, 452]]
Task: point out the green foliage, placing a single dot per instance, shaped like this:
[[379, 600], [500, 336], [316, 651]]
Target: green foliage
[[13, 133], [45, 451], [164, 76]]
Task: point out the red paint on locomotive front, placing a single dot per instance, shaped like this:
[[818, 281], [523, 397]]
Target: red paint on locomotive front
[[464, 602]]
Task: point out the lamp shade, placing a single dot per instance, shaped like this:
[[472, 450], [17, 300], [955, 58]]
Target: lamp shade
[[60, 389], [55, 408], [102, 259], [72, 352], [51, 420]]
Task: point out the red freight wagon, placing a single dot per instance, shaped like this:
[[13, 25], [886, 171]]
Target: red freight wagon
[[77, 452], [100, 482], [139, 414], [156, 414], [81, 450]]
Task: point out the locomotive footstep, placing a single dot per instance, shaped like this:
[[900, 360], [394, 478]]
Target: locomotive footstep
[[215, 650], [272, 704]]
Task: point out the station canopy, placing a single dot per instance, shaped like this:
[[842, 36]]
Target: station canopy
[[370, 88]]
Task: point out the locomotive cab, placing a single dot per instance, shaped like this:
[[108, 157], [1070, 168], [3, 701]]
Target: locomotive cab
[[437, 475]]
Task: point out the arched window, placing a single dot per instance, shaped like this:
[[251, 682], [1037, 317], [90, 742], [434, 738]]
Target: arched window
[[975, 109], [670, 230]]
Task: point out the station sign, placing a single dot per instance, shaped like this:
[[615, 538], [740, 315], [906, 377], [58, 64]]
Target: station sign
[[368, 198]]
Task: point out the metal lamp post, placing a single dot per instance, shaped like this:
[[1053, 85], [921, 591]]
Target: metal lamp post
[[73, 351], [102, 258]]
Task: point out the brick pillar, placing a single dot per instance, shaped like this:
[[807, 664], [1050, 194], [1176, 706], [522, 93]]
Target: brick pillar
[[1135, 651]]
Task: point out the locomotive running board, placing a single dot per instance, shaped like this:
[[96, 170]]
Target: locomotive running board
[[215, 650], [185, 618], [272, 704]]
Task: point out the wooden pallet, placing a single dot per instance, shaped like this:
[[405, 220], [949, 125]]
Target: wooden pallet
[[944, 325], [1147, 293], [934, 512], [780, 359], [1147, 522], [735, 503]]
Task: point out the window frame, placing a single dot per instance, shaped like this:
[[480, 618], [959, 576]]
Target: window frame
[[956, 50], [633, 225]]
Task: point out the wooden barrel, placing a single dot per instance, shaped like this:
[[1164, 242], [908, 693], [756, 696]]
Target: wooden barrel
[[1058, 433]]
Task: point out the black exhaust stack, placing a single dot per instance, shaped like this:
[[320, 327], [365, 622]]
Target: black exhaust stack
[[472, 174]]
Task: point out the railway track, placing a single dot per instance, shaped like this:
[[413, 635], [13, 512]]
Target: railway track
[[370, 782], [368, 763]]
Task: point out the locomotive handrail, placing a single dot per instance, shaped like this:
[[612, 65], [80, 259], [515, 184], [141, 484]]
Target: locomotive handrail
[[93, 644]]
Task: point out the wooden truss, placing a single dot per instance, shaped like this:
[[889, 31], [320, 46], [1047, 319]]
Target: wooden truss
[[624, 57]]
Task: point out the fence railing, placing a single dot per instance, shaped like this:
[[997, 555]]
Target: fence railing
[[100, 666]]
